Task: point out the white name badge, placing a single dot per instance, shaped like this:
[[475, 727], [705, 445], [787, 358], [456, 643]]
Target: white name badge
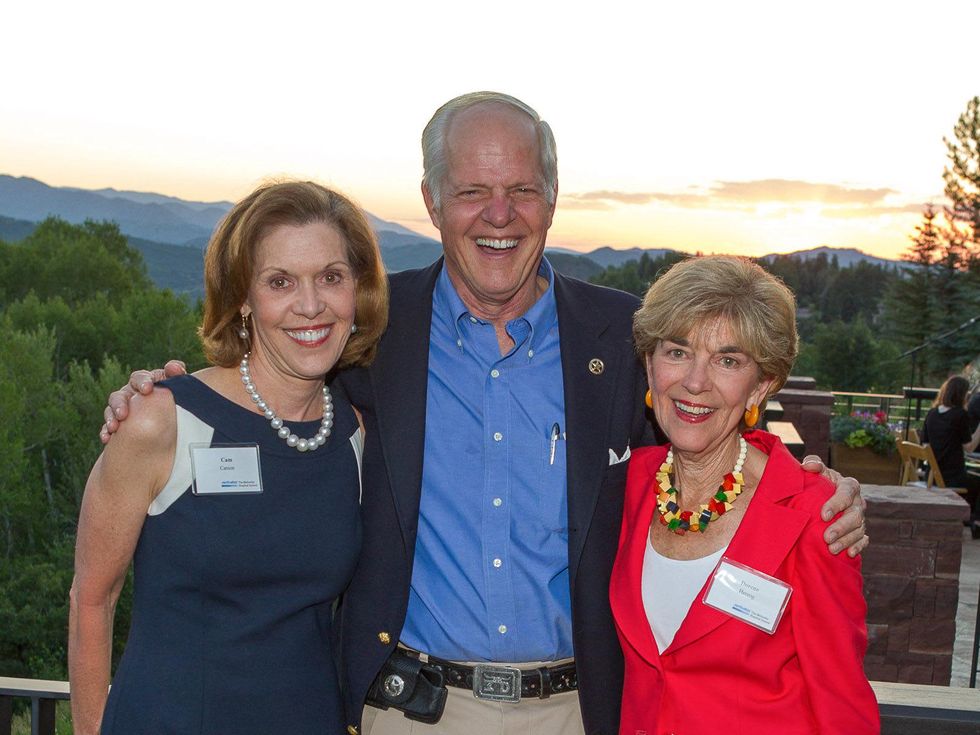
[[748, 595], [226, 469]]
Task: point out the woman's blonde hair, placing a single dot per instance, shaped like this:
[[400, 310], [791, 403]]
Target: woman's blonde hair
[[230, 259], [758, 307]]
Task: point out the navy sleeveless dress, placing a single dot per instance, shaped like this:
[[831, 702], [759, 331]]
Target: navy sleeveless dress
[[231, 624]]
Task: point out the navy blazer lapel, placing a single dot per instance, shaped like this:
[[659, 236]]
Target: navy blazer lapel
[[399, 378], [588, 402]]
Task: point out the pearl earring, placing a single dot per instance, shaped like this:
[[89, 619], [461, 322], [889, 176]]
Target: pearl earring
[[353, 328], [243, 330]]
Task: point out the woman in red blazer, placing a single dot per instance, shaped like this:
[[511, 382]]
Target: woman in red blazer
[[732, 614]]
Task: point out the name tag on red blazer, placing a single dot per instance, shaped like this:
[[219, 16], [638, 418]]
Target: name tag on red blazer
[[747, 594]]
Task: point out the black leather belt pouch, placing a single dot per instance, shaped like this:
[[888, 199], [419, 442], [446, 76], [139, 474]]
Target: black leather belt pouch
[[410, 686]]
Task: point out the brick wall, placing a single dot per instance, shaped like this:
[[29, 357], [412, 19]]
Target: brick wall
[[809, 410], [911, 582]]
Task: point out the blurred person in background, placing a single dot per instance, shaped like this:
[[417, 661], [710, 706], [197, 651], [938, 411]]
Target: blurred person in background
[[947, 430]]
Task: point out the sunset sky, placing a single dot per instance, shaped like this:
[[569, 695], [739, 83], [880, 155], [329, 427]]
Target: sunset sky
[[748, 127]]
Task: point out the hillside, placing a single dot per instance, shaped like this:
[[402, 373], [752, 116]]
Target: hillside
[[171, 233]]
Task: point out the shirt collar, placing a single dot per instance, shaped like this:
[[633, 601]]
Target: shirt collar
[[541, 317]]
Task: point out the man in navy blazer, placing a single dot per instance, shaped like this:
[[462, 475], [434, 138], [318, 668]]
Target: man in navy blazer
[[490, 187], [500, 412], [604, 413]]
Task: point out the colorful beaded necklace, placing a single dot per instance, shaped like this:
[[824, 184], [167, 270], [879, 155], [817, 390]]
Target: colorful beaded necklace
[[681, 521]]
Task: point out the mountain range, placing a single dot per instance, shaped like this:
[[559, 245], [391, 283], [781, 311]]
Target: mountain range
[[171, 233]]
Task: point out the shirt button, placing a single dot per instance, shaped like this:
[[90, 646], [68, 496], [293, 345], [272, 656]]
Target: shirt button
[[502, 629], [459, 343], [495, 373], [497, 563], [497, 502], [497, 436], [473, 319], [530, 353]]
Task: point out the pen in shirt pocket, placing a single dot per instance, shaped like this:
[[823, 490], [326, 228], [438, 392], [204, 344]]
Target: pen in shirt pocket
[[555, 436]]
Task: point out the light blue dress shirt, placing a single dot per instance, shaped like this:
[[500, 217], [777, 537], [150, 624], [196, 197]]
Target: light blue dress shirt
[[490, 581]]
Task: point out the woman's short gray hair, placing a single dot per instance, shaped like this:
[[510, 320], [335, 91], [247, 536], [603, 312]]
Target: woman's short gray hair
[[434, 141], [758, 307]]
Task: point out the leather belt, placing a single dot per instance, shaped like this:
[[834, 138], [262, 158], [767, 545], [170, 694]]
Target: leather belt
[[540, 683]]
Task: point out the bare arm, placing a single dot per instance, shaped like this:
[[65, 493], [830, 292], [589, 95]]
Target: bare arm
[[848, 531], [140, 383], [117, 496]]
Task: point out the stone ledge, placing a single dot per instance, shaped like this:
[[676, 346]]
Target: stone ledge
[[801, 382], [921, 708], [934, 504], [792, 396]]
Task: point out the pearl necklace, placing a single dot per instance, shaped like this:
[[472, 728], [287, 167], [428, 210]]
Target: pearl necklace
[[681, 522], [302, 445]]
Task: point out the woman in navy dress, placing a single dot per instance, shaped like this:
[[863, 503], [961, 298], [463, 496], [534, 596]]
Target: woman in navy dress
[[235, 492]]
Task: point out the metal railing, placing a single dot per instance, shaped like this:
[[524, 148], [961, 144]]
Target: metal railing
[[44, 696], [911, 403]]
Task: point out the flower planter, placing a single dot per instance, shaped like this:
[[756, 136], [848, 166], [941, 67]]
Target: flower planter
[[866, 465]]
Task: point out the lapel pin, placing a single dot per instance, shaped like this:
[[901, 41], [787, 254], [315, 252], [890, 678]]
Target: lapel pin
[[596, 366]]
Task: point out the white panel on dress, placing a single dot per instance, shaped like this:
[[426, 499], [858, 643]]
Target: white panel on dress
[[357, 441], [190, 430]]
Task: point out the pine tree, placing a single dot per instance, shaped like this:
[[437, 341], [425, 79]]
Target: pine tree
[[910, 304], [962, 178], [957, 299], [927, 240], [942, 289]]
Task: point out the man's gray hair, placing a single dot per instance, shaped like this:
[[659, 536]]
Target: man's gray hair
[[434, 163]]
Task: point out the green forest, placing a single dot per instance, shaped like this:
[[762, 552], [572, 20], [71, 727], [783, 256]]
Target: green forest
[[856, 322], [78, 313]]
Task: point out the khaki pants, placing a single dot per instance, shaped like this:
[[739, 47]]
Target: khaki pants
[[559, 714]]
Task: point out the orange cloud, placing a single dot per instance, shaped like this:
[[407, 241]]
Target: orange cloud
[[746, 195], [788, 190], [856, 212]]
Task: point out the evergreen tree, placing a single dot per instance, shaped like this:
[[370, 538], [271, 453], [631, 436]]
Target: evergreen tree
[[848, 357], [962, 178], [635, 276], [927, 240], [941, 290], [957, 299], [910, 303], [855, 293]]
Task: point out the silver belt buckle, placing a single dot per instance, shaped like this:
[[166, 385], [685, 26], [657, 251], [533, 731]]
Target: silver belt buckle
[[497, 683]]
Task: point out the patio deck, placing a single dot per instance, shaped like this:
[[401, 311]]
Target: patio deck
[[966, 611]]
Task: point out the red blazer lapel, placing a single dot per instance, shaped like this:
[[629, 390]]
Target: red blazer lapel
[[765, 536], [626, 594]]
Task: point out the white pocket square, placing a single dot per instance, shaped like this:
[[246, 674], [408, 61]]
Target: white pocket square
[[616, 459]]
